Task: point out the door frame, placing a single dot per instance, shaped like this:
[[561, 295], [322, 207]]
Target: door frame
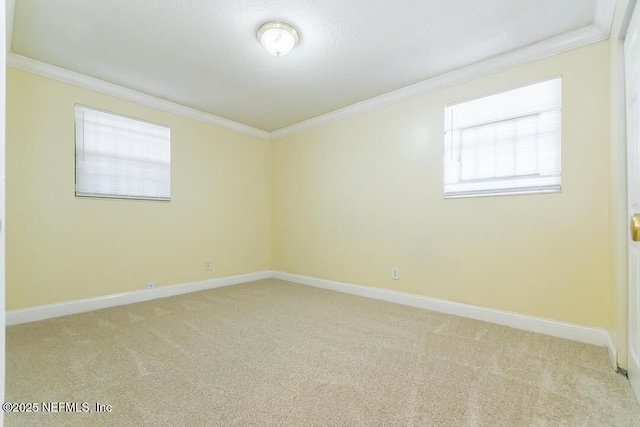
[[3, 71], [619, 222], [620, 231]]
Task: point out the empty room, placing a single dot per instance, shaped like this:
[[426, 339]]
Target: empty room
[[295, 213]]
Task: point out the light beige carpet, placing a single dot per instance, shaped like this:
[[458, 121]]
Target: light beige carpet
[[276, 353]]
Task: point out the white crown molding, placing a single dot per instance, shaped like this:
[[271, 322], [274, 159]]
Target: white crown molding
[[571, 331], [61, 74], [32, 314], [543, 49], [622, 18], [604, 15], [605, 10]]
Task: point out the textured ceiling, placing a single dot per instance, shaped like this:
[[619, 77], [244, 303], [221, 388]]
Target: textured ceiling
[[204, 53]]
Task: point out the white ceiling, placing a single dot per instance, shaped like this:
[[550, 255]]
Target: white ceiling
[[204, 54]]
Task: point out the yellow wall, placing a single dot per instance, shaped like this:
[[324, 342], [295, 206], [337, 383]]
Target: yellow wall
[[60, 247], [354, 198], [346, 201]]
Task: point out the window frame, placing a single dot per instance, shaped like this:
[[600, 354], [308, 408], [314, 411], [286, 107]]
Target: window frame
[[80, 194], [533, 183]]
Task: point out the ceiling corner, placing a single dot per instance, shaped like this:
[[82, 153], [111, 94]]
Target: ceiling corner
[[605, 10]]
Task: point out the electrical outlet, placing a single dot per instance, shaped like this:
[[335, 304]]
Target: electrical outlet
[[151, 285], [395, 274], [207, 265]]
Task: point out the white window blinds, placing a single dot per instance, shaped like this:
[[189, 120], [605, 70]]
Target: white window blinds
[[507, 143], [121, 157]]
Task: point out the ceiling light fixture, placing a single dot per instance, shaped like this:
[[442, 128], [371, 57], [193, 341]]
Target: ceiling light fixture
[[277, 38]]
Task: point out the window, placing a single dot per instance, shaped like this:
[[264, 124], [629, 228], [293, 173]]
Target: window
[[121, 157], [507, 143]]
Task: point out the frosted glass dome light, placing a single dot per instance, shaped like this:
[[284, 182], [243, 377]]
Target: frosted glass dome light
[[277, 38]]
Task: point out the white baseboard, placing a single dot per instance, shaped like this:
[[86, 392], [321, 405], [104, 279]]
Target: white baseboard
[[585, 334], [32, 314], [613, 351]]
